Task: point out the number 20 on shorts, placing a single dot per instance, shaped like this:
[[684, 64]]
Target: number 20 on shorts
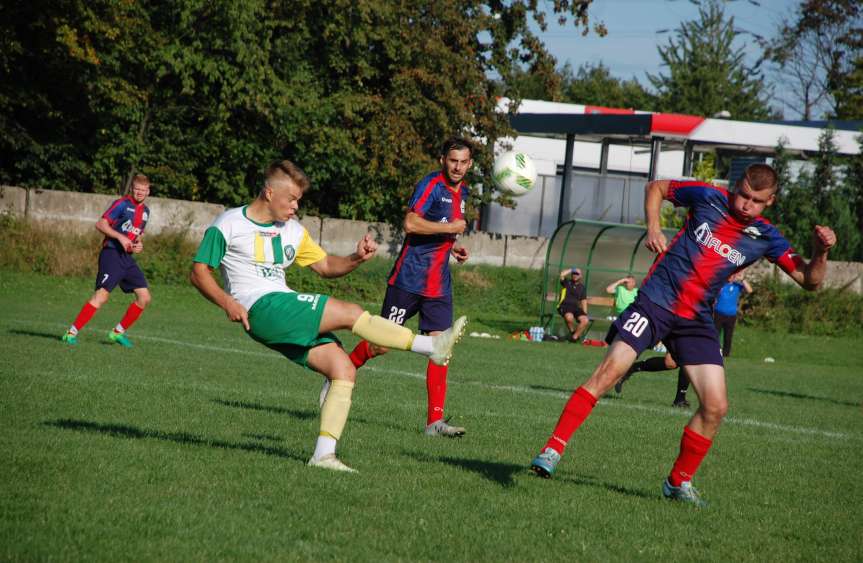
[[635, 324]]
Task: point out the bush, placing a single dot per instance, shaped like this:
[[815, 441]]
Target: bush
[[784, 307]]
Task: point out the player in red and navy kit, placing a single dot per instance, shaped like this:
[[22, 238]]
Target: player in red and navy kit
[[420, 279], [123, 226], [724, 233]]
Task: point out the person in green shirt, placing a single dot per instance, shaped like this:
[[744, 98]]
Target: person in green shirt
[[624, 292]]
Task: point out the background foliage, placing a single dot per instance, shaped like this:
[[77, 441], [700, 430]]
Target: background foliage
[[200, 95]]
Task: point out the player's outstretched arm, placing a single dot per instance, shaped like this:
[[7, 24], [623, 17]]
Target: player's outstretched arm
[[416, 225], [654, 193], [202, 278], [336, 266], [809, 276]]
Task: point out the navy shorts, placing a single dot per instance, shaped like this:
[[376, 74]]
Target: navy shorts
[[400, 305], [643, 324], [117, 267]]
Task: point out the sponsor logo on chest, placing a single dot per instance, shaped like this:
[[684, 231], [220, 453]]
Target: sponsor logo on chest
[[705, 237]]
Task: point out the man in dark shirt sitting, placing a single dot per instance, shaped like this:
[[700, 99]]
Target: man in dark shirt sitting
[[572, 304]]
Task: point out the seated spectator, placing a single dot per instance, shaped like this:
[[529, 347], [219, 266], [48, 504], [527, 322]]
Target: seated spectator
[[572, 304], [624, 291]]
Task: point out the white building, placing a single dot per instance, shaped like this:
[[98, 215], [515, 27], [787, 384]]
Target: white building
[[613, 152]]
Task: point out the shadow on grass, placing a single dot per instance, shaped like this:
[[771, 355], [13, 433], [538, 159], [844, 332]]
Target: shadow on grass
[[500, 473], [802, 396], [38, 334], [132, 432], [299, 414], [504, 325], [591, 482], [270, 437]]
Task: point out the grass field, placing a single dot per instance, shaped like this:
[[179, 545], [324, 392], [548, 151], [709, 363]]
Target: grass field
[[192, 446]]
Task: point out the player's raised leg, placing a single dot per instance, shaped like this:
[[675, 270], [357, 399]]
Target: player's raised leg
[[708, 380], [617, 361], [331, 361], [339, 315]]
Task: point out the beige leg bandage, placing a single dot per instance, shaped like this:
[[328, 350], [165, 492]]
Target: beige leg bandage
[[337, 405], [382, 332]]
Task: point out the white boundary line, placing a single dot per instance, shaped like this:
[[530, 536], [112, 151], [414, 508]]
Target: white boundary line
[[508, 388]]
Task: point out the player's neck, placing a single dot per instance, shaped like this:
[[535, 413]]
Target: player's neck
[[258, 212]]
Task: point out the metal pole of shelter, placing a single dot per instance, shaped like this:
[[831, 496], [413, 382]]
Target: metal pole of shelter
[[687, 159], [567, 175], [655, 148]]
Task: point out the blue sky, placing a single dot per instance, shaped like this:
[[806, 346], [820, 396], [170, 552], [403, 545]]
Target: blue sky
[[634, 31]]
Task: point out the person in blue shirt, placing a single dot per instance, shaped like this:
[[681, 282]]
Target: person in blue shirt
[[725, 310]]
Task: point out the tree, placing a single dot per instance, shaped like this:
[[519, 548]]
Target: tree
[[706, 73], [200, 95], [826, 193], [594, 85], [821, 49]]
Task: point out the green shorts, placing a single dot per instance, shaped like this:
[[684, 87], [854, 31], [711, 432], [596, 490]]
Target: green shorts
[[289, 323]]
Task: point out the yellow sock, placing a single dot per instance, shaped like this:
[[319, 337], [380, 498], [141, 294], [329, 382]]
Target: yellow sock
[[382, 332], [337, 405]]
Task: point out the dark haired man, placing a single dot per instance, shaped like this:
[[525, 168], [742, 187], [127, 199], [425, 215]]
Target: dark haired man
[[253, 245], [724, 233], [419, 281]]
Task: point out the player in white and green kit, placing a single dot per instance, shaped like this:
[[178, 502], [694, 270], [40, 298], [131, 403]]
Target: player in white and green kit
[[252, 246]]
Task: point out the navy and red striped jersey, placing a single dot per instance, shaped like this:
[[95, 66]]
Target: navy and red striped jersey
[[712, 245], [127, 217], [423, 263]]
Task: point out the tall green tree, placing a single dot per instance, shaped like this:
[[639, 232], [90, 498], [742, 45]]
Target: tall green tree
[[707, 73]]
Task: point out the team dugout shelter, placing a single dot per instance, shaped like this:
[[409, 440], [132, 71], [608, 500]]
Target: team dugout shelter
[[593, 163]]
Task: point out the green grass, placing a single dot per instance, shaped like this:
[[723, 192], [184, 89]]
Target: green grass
[[192, 446]]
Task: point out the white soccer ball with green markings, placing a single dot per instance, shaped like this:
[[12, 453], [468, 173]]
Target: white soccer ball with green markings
[[514, 173]]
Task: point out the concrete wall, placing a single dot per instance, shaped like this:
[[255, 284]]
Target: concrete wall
[[336, 236], [13, 200]]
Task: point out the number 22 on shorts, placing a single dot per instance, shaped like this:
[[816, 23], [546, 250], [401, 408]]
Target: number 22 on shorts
[[636, 324]]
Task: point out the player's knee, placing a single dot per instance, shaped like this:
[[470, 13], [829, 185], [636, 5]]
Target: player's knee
[[345, 371], [143, 300], [714, 409], [99, 298], [582, 321]]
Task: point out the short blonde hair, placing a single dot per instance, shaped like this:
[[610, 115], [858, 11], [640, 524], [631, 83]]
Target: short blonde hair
[[281, 170]]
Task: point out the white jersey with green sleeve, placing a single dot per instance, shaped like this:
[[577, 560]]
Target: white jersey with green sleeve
[[253, 256]]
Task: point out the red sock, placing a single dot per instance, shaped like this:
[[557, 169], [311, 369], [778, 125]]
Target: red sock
[[693, 448], [84, 316], [577, 409], [132, 314], [361, 354], [436, 387]]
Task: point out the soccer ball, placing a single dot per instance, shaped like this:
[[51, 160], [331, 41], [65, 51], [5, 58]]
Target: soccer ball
[[514, 173]]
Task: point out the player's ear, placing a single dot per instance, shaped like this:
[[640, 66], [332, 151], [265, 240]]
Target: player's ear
[[771, 200]]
